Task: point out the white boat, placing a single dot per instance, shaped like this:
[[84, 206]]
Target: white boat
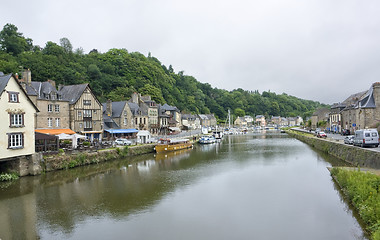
[[207, 140]]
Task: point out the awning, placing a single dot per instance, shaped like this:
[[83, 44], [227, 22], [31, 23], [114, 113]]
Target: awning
[[55, 131], [131, 130], [90, 132], [64, 136]]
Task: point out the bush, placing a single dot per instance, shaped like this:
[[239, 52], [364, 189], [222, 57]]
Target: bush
[[86, 144], [363, 190], [8, 177], [60, 150]]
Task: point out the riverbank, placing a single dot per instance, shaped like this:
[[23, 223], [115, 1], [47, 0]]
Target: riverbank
[[363, 190], [65, 161], [357, 156]]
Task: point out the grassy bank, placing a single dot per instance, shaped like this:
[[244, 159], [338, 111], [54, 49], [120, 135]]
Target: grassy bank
[[363, 190]]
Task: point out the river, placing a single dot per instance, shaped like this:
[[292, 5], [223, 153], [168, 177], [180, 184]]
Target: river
[[254, 186]]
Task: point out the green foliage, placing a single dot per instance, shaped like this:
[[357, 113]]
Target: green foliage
[[117, 73], [363, 190], [8, 177], [61, 150], [86, 144]]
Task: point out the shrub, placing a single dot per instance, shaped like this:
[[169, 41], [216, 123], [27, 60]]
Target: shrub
[[363, 190], [86, 144], [8, 177]]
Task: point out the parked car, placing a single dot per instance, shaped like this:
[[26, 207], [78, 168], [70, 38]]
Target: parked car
[[366, 137], [349, 139], [346, 132], [321, 135], [122, 141]]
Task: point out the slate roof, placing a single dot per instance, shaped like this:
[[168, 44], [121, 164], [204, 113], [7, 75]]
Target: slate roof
[[167, 107], [72, 92], [368, 100], [117, 108], [189, 117], [40, 88], [135, 108], [4, 79], [352, 100]]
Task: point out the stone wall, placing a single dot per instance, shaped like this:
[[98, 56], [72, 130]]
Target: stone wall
[[355, 155], [36, 163]]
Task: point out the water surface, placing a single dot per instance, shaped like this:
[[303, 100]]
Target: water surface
[[254, 186]]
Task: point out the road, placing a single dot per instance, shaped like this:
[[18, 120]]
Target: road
[[338, 138]]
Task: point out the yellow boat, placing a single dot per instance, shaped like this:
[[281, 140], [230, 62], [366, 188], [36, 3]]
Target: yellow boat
[[168, 145]]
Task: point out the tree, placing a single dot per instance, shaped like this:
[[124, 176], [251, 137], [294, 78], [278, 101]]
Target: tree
[[239, 112], [14, 42], [66, 44]]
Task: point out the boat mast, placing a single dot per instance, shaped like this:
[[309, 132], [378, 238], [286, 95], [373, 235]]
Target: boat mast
[[229, 119]]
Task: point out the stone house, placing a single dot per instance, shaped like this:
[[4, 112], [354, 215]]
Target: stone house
[[85, 110], [362, 109], [205, 121], [191, 121], [118, 120], [140, 116], [241, 122], [260, 121], [174, 115], [53, 110], [321, 114], [212, 119], [18, 119]]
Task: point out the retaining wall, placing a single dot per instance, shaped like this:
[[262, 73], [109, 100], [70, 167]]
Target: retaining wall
[[357, 156]]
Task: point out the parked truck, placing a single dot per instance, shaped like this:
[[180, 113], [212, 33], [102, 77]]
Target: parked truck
[[366, 137]]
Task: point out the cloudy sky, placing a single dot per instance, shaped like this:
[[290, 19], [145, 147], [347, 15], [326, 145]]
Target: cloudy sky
[[321, 50]]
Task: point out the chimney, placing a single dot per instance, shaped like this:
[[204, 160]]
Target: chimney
[[135, 98], [109, 108], [52, 82], [27, 76]]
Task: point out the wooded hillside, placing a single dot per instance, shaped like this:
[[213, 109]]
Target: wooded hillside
[[117, 73]]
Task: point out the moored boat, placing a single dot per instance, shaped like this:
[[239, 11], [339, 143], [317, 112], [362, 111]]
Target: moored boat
[[168, 145]]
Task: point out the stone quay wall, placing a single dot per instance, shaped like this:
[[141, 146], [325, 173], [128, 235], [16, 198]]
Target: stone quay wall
[[357, 156]]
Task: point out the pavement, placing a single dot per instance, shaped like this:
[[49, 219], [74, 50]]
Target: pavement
[[336, 137]]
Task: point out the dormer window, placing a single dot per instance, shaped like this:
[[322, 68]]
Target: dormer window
[[53, 96], [13, 97]]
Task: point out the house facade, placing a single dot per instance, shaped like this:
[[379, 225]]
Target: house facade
[[260, 121], [362, 110], [53, 110], [191, 121], [17, 118], [85, 110]]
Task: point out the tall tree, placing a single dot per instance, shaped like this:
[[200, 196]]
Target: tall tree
[[13, 42]]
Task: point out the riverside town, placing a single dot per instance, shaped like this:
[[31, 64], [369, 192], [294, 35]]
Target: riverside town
[[116, 145]]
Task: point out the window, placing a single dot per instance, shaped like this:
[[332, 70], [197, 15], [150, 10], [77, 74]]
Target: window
[[50, 107], [374, 134], [79, 114], [15, 140], [57, 122], [87, 124], [94, 111], [50, 122], [125, 121], [86, 113], [80, 125], [16, 120], [86, 102], [53, 96], [13, 96], [56, 108], [125, 113]]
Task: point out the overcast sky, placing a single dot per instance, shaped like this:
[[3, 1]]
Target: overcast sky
[[322, 50]]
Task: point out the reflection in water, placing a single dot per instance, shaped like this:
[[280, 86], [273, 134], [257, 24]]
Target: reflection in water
[[248, 186]]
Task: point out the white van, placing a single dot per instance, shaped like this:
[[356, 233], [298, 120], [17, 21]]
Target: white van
[[366, 137]]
